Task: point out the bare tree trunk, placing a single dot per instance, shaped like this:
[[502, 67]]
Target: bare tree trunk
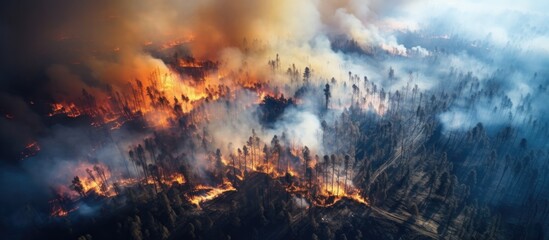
[[337, 181]]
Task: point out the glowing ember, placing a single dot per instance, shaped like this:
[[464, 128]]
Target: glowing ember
[[30, 150], [168, 97], [174, 178], [211, 193], [61, 206], [177, 42], [327, 190], [70, 110]]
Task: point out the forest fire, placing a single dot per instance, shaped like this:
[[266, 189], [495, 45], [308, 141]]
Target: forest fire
[[181, 97], [322, 181], [160, 98], [149, 99], [92, 178], [319, 188], [174, 43], [70, 110], [57, 210], [273, 119], [189, 64], [30, 150], [206, 193], [175, 105], [174, 178], [313, 184]]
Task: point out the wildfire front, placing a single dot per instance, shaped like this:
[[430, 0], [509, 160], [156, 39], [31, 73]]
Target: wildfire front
[[273, 119]]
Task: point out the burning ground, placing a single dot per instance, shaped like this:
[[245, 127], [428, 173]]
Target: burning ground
[[273, 119]]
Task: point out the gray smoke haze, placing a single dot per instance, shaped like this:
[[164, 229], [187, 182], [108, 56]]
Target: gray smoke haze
[[51, 50]]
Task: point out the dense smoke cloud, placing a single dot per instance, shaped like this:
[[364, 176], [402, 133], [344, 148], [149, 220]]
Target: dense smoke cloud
[[53, 50], [63, 47], [505, 48]]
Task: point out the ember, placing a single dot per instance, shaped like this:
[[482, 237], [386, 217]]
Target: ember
[[273, 119]]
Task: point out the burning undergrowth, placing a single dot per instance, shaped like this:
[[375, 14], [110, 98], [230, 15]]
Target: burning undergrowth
[[183, 124], [123, 105]]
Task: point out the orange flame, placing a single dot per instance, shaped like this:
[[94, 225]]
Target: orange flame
[[212, 193]]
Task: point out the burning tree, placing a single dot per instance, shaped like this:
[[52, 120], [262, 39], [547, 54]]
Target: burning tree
[[78, 187]]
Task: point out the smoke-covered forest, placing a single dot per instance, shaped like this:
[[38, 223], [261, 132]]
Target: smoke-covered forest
[[244, 119]]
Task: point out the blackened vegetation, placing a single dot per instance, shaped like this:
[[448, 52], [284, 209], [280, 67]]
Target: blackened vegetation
[[347, 46], [181, 60], [196, 69], [421, 180], [302, 92], [351, 46], [272, 108], [260, 209], [480, 182], [327, 95]]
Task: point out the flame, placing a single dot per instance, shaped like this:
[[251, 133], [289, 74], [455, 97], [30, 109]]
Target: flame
[[177, 42], [211, 192], [70, 110], [58, 211], [317, 190], [262, 93], [163, 97], [98, 179], [175, 177], [339, 192], [357, 197], [95, 178], [60, 206], [30, 150], [325, 193], [160, 98], [189, 64]]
